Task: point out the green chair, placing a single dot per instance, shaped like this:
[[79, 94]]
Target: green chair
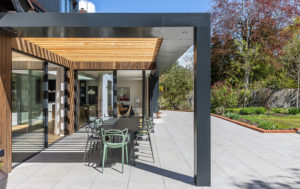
[[150, 123], [113, 138], [144, 134], [92, 137]]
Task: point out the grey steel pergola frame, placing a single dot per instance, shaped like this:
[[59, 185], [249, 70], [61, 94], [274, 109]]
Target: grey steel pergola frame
[[201, 24]]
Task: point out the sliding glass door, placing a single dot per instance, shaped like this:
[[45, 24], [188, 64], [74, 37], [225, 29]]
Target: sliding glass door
[[30, 133], [27, 107], [56, 102], [95, 95]]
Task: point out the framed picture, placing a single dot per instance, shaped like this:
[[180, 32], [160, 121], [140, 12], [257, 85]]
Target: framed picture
[[123, 93]]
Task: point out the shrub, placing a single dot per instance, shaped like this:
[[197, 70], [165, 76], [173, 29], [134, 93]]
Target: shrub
[[293, 111], [233, 110], [266, 125], [252, 110], [247, 111], [260, 110], [233, 116], [278, 110], [242, 94], [223, 95], [262, 123], [220, 110]]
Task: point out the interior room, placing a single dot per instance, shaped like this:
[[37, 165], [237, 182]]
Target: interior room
[[96, 94], [130, 92]]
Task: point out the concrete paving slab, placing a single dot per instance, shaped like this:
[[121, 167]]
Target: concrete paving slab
[[241, 158]]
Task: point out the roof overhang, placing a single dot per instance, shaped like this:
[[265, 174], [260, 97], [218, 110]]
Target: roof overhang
[[175, 29]]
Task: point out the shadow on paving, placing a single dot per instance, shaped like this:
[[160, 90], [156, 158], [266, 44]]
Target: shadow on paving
[[165, 173], [259, 184]]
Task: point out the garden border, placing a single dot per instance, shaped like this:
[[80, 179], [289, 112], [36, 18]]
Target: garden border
[[254, 127]]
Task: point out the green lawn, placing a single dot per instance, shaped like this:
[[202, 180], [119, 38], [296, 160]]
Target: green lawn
[[282, 122]]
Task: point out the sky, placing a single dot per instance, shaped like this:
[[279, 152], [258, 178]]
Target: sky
[[154, 6]]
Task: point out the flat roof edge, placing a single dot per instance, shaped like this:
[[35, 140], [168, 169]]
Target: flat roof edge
[[8, 20]]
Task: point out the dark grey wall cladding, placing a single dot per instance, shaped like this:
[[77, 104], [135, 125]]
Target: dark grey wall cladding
[[50, 5]]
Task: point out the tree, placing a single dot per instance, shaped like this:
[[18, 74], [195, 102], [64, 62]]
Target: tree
[[260, 22], [291, 60], [177, 83], [255, 21], [248, 57], [222, 53]]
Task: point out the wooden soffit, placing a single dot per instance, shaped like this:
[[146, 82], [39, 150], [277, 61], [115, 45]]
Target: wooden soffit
[[105, 50]]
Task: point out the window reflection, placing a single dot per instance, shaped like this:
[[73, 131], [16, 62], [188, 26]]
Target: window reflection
[[95, 94], [27, 107]]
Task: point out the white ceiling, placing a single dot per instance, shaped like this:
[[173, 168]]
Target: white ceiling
[[121, 74]]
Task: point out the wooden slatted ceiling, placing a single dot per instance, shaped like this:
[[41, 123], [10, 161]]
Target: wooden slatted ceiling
[[102, 49]]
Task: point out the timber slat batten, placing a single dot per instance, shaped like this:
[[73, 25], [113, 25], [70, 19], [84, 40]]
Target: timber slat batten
[[5, 102], [102, 49], [20, 44]]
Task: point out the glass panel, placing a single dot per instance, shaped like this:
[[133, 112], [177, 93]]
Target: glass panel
[[95, 94], [56, 103], [27, 107], [129, 93]]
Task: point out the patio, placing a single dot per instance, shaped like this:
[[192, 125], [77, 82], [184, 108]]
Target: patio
[[241, 158]]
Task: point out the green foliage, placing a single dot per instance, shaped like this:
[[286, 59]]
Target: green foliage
[[264, 124], [177, 83], [278, 111], [234, 116], [285, 122], [252, 110], [247, 21], [276, 81], [220, 110], [293, 111], [291, 58], [233, 110], [244, 93], [223, 95], [260, 110], [247, 111]]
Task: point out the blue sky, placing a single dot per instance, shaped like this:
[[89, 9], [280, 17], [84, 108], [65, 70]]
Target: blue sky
[[152, 5]]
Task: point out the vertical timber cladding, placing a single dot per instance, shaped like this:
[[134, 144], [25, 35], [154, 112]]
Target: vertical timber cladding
[[70, 94], [5, 102]]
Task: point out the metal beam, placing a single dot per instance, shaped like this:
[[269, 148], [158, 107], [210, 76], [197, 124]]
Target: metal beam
[[156, 91], [202, 148], [115, 87], [45, 104], [48, 19], [66, 104], [144, 96], [150, 109]]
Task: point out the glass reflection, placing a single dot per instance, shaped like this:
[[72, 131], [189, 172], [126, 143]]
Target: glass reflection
[[95, 94], [56, 103], [27, 107]]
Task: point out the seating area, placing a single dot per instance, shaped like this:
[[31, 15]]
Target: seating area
[[114, 139]]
